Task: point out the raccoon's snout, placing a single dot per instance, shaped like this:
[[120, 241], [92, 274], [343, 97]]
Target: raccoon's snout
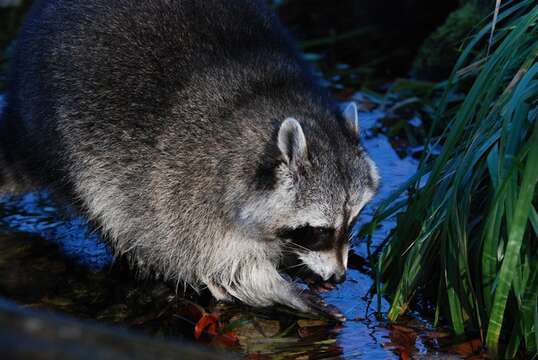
[[338, 278], [338, 275], [325, 264]]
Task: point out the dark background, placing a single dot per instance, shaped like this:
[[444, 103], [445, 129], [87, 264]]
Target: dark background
[[377, 40]]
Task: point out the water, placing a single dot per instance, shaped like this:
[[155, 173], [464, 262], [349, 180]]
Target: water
[[35, 213], [50, 259]]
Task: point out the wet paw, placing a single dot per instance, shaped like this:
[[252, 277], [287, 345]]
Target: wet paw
[[319, 307], [219, 292]]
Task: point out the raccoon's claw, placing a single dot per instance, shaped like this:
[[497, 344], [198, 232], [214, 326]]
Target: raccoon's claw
[[319, 307], [322, 287]]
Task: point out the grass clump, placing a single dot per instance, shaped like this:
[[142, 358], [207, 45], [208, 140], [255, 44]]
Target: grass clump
[[467, 222]]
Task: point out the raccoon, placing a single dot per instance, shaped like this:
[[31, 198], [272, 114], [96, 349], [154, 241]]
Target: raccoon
[[195, 137]]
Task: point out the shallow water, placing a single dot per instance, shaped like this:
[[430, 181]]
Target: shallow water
[[51, 260]]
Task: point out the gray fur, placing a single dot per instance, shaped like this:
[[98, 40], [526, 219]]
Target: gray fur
[[165, 123]]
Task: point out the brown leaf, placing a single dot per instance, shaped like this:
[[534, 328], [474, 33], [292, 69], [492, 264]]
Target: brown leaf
[[403, 335], [467, 348], [311, 323], [437, 334]]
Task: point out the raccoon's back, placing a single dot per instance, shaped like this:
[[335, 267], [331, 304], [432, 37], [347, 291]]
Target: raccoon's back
[[133, 56], [101, 78]]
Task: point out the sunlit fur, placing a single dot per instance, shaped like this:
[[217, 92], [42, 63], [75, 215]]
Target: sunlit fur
[[189, 132]]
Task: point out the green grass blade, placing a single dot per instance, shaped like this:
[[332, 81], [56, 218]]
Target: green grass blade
[[517, 230]]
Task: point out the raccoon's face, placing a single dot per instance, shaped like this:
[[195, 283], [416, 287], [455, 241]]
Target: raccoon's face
[[322, 182]]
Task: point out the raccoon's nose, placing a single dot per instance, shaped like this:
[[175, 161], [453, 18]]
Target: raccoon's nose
[[338, 278]]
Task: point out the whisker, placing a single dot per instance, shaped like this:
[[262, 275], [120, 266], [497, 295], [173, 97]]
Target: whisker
[[297, 246], [294, 266]]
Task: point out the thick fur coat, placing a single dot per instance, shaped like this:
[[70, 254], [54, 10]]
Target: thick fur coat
[[191, 133]]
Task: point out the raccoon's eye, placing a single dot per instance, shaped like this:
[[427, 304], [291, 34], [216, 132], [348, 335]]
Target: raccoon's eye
[[321, 230], [310, 237], [320, 234]]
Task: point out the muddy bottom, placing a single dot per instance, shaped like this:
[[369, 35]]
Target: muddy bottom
[[51, 261]]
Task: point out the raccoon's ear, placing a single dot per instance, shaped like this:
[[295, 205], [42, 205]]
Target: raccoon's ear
[[351, 116], [291, 141]]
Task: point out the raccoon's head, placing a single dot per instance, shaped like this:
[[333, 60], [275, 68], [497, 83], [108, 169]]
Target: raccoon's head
[[321, 181]]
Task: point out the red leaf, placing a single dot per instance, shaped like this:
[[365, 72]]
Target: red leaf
[[404, 355], [208, 323]]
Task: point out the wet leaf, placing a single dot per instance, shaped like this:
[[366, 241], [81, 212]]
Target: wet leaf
[[310, 332], [404, 355], [467, 348], [208, 323], [115, 313], [436, 334], [249, 330], [304, 323], [403, 335]]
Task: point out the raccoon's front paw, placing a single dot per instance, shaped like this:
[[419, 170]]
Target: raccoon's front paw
[[316, 305], [218, 292]]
